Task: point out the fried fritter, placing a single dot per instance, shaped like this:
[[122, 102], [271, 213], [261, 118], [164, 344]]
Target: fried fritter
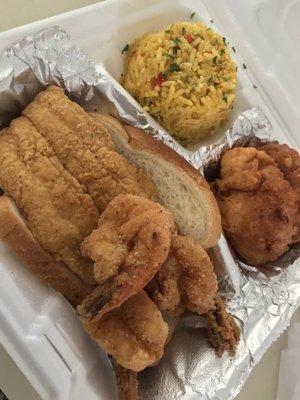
[[130, 245], [134, 334], [288, 161], [53, 204], [258, 205], [186, 280], [85, 148]]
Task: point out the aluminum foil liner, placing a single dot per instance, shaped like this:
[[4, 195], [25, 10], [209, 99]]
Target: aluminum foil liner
[[262, 301]]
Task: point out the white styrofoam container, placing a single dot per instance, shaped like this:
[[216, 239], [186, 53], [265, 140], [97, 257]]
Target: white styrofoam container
[[37, 326]]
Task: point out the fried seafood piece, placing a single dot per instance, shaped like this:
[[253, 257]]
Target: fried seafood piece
[[85, 148], [241, 169], [134, 334], [258, 205], [130, 245], [186, 280], [53, 204], [288, 161], [127, 382], [223, 332]]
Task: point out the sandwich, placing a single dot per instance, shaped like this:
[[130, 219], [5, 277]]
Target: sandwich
[[111, 218], [60, 167]]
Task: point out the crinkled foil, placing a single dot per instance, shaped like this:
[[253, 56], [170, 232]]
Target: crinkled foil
[[262, 301]]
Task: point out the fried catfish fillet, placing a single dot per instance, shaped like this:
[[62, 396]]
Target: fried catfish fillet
[[53, 204], [130, 245], [258, 205], [85, 148], [134, 334]]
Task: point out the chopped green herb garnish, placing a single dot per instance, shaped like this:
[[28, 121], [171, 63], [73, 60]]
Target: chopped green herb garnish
[[167, 31], [225, 97], [176, 42], [255, 87], [165, 75], [198, 35], [224, 40], [208, 29], [211, 81], [125, 48], [174, 67], [171, 56], [233, 49], [244, 66], [215, 60], [183, 31], [222, 51], [192, 15]]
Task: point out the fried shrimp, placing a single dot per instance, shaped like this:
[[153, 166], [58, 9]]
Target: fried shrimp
[[186, 280], [130, 245], [127, 382], [223, 332], [134, 334]]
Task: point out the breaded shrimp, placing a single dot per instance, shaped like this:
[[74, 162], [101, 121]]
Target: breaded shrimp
[[134, 334], [186, 280], [129, 246]]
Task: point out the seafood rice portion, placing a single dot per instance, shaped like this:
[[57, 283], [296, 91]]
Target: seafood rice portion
[[184, 77]]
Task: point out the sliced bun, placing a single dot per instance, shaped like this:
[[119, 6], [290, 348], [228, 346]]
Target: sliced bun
[[15, 234], [180, 187]]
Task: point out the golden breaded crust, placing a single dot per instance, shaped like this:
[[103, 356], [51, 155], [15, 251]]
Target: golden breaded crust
[[55, 208], [134, 334], [85, 149], [15, 234], [258, 205]]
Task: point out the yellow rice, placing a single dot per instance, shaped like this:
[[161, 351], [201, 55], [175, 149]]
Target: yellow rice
[[184, 77]]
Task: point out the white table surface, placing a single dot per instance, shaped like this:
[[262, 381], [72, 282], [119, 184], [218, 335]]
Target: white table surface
[[262, 383]]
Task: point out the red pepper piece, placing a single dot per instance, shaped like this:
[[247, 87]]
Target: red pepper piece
[[190, 38], [157, 81]]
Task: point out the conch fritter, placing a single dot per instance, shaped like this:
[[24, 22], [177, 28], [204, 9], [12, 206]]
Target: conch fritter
[[258, 205], [288, 161]]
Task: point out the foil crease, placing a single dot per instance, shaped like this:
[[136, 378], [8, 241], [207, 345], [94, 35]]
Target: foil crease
[[263, 301]]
